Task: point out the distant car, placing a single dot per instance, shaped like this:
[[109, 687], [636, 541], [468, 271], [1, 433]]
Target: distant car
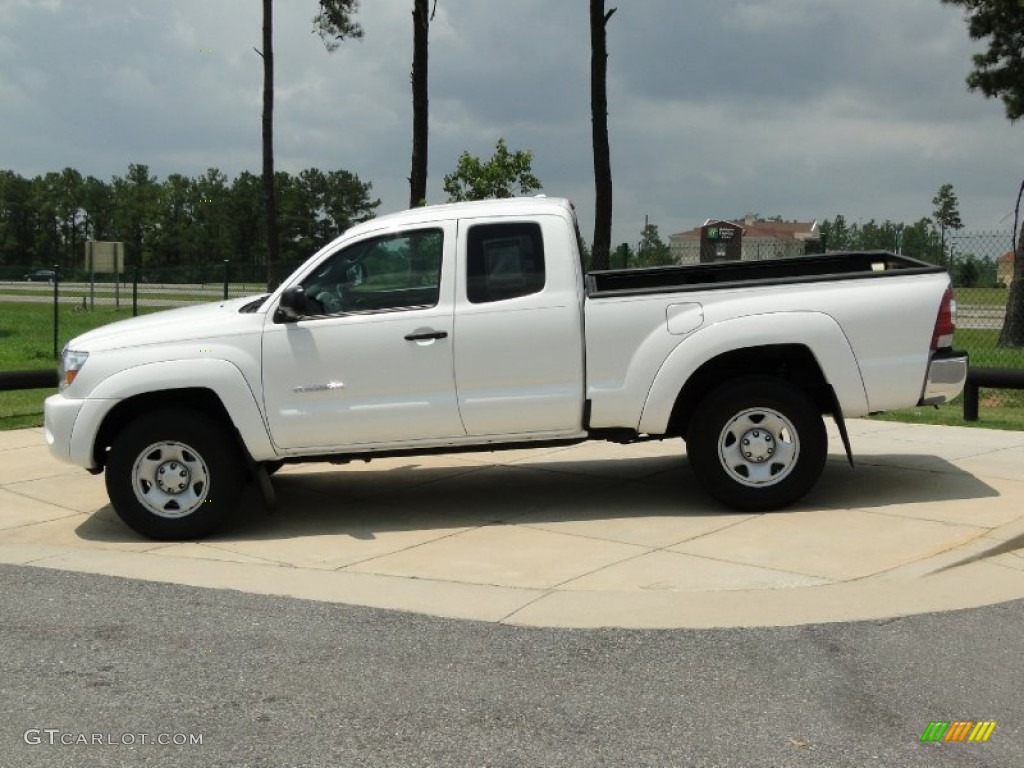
[[40, 276]]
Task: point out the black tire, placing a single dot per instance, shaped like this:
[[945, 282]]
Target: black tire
[[785, 449], [174, 474]]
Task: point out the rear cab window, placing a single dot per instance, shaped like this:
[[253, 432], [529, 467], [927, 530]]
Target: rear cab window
[[504, 261]]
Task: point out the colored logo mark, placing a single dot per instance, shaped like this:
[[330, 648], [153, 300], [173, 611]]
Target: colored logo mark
[[958, 730]]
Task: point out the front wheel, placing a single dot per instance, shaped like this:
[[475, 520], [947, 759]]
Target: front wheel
[[757, 444], [174, 474]]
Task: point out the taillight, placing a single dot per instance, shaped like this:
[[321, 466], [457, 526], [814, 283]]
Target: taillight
[[945, 323]]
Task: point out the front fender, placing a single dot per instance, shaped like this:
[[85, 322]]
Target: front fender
[[221, 377], [815, 330]]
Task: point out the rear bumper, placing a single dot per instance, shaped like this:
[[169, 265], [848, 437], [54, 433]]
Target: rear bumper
[[947, 374]]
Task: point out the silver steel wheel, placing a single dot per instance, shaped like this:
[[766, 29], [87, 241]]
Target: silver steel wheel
[[759, 447], [170, 479]]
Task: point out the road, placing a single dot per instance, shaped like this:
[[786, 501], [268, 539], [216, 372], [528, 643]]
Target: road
[[268, 681]]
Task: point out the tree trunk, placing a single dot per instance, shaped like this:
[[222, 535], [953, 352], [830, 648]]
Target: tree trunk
[[420, 103], [599, 117], [1012, 334], [269, 200]]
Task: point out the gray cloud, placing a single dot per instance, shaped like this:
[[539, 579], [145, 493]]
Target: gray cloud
[[804, 108]]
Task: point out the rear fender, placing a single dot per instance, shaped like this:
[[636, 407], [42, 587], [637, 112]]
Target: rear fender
[[819, 332]]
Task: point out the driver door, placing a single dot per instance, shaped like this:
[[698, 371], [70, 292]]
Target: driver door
[[370, 362]]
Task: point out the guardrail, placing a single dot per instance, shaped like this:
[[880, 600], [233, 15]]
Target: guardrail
[[998, 378], [39, 379]]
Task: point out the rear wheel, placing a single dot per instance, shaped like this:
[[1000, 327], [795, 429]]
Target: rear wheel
[[174, 474], [757, 444]]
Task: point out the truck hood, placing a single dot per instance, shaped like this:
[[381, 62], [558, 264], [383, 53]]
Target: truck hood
[[185, 324]]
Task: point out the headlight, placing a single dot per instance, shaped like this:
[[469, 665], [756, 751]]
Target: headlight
[[71, 363]]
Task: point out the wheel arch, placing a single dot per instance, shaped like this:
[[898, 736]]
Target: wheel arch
[[214, 387], [821, 363], [199, 399], [790, 362]]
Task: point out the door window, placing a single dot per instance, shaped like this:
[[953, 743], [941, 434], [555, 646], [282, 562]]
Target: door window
[[384, 274]]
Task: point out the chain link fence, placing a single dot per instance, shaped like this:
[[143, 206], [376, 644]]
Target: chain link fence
[[981, 265]]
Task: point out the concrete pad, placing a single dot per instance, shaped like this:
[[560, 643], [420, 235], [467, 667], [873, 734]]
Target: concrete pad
[[989, 512], [670, 571], [459, 601], [21, 554], [850, 601], [878, 483], [356, 534], [80, 491], [1006, 464], [496, 493], [31, 463], [588, 535], [832, 544], [650, 515], [509, 556], [17, 511], [21, 438], [64, 533]]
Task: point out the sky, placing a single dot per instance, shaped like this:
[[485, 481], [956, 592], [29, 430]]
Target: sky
[[803, 109]]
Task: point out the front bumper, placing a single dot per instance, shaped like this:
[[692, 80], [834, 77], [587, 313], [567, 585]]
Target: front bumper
[[59, 416], [947, 374]]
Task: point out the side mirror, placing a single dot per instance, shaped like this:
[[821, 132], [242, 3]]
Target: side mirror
[[292, 306]]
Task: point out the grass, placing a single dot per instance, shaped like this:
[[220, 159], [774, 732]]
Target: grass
[[997, 409], [26, 343], [992, 297]]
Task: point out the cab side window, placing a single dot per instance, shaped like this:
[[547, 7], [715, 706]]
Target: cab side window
[[504, 261], [390, 273]]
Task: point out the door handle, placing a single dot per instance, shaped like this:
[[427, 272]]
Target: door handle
[[427, 336]]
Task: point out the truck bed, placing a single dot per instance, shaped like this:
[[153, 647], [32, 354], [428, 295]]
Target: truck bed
[[841, 265]]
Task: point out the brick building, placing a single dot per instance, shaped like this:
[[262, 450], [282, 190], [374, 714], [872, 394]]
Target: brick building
[[761, 239]]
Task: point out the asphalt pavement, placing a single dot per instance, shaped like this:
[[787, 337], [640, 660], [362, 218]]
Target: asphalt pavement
[[150, 674]]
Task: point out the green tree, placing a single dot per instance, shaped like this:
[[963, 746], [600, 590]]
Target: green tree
[[835, 233], [999, 73], [653, 252], [474, 179], [247, 235], [622, 257], [335, 22], [947, 213], [599, 19], [175, 220], [348, 201], [921, 241], [211, 234], [967, 272], [46, 205], [17, 220], [98, 199], [137, 202]]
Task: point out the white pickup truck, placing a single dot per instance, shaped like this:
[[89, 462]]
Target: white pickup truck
[[474, 327]]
